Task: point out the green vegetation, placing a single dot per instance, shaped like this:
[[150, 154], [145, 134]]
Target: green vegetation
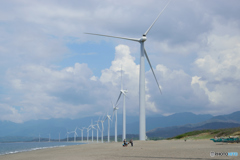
[[209, 133], [155, 138]]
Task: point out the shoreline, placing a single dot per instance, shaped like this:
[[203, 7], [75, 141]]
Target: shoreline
[[164, 149], [37, 146]]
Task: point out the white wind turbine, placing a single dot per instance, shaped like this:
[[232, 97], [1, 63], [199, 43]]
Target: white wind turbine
[[68, 134], [98, 128], [92, 127], [88, 129], [115, 113], [143, 53], [102, 121], [49, 137], [59, 136], [82, 132], [75, 134], [122, 91], [109, 119], [39, 137]]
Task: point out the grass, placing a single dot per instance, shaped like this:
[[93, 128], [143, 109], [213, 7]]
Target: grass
[[210, 133]]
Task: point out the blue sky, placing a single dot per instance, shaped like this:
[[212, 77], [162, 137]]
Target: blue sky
[[50, 69]]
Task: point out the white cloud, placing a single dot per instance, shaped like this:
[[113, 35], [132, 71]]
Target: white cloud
[[218, 67], [191, 39], [10, 113]]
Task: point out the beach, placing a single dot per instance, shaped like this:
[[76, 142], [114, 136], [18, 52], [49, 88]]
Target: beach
[[143, 150]]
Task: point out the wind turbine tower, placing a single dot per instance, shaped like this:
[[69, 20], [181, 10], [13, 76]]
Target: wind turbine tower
[[98, 128], [92, 127], [122, 91], [143, 53], [88, 129], [67, 135], [115, 108], [102, 121], [75, 134], [109, 119], [82, 132]]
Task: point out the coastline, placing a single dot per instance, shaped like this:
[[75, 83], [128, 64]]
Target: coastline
[[19, 147], [164, 149]]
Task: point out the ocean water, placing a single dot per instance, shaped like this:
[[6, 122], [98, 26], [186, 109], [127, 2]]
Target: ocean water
[[10, 148]]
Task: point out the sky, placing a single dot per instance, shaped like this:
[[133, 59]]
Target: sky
[[50, 69]]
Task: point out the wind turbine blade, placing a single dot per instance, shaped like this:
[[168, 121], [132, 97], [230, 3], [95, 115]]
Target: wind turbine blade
[[113, 114], [152, 70], [156, 18], [121, 78], [99, 128], [112, 104], [131, 39], [118, 97], [103, 116]]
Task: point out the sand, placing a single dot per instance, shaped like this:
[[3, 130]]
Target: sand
[[148, 150]]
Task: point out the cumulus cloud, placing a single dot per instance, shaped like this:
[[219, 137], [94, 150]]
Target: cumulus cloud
[[45, 92], [194, 48], [218, 69]]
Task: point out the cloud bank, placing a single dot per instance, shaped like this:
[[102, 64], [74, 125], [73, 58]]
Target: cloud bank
[[194, 49]]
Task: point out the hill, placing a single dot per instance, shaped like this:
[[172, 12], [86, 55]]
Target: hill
[[157, 126], [55, 126], [210, 133], [168, 121], [218, 122]]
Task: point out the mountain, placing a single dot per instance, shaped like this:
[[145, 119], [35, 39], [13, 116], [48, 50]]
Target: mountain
[[234, 117], [55, 126], [177, 130], [168, 121], [159, 126], [216, 122]]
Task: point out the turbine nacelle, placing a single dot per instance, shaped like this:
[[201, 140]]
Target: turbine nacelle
[[108, 117], [115, 108], [124, 91], [143, 39]]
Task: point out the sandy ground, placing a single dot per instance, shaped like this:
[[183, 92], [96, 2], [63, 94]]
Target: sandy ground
[[148, 150]]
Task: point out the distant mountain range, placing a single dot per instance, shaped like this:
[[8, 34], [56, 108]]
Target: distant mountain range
[[168, 121], [157, 126], [217, 122]]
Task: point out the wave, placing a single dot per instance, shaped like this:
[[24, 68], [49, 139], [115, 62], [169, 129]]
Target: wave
[[31, 149]]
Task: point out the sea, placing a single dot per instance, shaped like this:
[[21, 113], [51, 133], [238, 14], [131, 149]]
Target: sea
[[11, 148]]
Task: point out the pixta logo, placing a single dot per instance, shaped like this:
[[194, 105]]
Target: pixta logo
[[213, 154]]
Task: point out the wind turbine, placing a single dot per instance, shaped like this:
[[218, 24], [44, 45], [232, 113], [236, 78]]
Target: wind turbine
[[98, 128], [59, 136], [88, 129], [75, 134], [143, 53], [115, 113], [92, 127], [68, 134], [122, 91], [49, 137], [39, 137], [109, 119], [102, 121], [82, 132]]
